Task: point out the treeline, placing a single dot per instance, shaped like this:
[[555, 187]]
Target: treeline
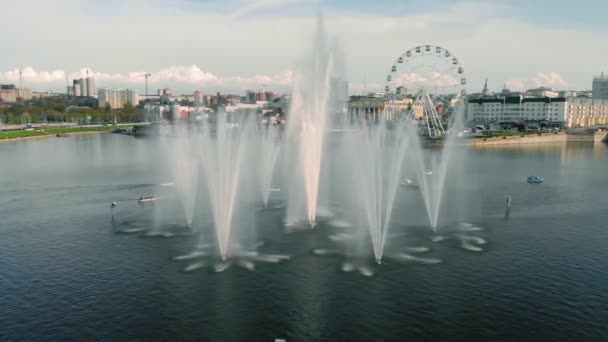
[[63, 109]]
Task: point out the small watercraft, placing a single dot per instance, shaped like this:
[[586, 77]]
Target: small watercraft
[[534, 179], [143, 198], [114, 204], [408, 183]]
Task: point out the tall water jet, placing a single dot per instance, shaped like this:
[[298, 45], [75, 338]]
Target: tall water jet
[[375, 157], [183, 166], [223, 149], [269, 149], [307, 127], [432, 167]]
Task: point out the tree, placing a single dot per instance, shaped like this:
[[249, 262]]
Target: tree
[[108, 110]]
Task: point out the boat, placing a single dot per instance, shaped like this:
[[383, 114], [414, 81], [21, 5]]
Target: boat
[[408, 183], [62, 135], [534, 179], [428, 172], [143, 198]]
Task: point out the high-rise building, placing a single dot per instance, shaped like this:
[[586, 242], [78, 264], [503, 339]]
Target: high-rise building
[[90, 81], [198, 98], [132, 97], [251, 97], [117, 98], [261, 96], [10, 93], [83, 87], [600, 87], [76, 88], [270, 96]]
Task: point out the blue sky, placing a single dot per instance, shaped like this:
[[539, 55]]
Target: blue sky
[[236, 44]]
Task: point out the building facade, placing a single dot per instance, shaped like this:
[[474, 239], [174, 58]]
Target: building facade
[[600, 87], [83, 87], [556, 111], [10, 93], [117, 98]]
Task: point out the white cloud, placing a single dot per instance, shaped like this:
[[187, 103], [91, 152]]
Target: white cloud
[[176, 76], [142, 35], [248, 7], [550, 79], [516, 85]]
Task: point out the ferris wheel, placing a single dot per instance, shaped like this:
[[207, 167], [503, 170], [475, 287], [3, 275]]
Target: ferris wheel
[[425, 83]]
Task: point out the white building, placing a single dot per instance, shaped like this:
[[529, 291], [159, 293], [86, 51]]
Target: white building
[[198, 99], [585, 111], [117, 98], [558, 111], [76, 88], [90, 82], [516, 109], [9, 93], [132, 97], [84, 87]]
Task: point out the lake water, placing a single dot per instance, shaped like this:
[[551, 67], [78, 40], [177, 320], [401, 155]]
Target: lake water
[[66, 275]]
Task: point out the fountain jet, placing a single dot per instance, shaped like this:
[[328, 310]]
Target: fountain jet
[[307, 126], [269, 149], [375, 158], [223, 152]]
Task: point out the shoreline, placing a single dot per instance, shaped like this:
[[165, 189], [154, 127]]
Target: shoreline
[[52, 135], [542, 138]]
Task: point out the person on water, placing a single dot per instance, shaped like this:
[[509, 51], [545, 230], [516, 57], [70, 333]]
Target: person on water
[[508, 199]]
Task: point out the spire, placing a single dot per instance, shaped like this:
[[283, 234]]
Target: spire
[[485, 90]]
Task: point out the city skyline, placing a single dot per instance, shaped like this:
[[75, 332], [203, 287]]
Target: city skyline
[[231, 46]]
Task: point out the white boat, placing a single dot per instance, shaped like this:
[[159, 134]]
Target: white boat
[[143, 198]]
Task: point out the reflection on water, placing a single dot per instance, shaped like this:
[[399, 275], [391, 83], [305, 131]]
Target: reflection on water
[[66, 273]]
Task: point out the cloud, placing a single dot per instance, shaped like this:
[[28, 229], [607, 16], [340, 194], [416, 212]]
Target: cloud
[[490, 38], [550, 79], [248, 7], [516, 85], [186, 77]]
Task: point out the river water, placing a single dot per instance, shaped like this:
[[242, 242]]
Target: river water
[[66, 275]]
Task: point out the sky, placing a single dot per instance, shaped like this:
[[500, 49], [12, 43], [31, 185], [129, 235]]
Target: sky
[[232, 45]]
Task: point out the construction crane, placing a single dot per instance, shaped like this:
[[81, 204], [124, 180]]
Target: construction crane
[[146, 75], [67, 83]]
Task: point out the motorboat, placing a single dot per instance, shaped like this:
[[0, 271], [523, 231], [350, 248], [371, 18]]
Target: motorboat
[[408, 183], [143, 198], [534, 179]]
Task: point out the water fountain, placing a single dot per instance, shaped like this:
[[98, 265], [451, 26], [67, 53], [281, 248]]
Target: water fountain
[[223, 151], [432, 166], [183, 166], [269, 150], [375, 158], [307, 128]]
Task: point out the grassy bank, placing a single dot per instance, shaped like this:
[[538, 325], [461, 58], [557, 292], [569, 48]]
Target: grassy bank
[[54, 131], [84, 129], [21, 134]]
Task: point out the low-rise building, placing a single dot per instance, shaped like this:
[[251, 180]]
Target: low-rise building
[[555, 111]]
